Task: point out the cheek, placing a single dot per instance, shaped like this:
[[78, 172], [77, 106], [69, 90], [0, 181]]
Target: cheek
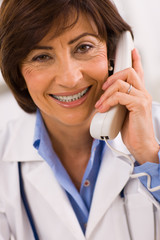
[[34, 79], [98, 70]]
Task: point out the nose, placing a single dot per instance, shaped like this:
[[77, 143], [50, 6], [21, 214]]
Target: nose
[[69, 73]]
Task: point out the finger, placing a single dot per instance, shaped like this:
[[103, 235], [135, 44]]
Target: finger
[[137, 64], [116, 98], [127, 100], [140, 100], [128, 75], [117, 86]]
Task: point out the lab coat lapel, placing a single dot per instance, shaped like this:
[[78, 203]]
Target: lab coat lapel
[[54, 195], [113, 175], [24, 151]]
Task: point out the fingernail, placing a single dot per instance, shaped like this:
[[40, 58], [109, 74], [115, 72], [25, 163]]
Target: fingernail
[[98, 103], [104, 86]]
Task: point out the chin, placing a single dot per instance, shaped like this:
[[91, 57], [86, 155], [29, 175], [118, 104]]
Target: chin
[[77, 120]]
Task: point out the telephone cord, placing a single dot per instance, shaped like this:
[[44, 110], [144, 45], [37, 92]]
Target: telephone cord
[[131, 162]]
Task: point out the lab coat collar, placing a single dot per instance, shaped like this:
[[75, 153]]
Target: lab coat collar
[[20, 149], [19, 140]]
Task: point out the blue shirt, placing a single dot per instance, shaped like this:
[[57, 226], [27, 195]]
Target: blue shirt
[[81, 201]]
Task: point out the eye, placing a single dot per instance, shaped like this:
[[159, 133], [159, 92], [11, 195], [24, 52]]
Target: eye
[[41, 58], [84, 48]]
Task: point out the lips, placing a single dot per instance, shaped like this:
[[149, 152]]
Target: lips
[[70, 98]]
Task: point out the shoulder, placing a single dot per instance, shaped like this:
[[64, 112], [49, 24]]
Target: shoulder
[[21, 119], [17, 127], [16, 133]]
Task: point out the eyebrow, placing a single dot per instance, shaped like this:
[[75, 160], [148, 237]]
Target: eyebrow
[[39, 47], [83, 35]]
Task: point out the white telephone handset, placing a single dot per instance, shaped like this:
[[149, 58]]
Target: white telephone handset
[[110, 123], [107, 125]]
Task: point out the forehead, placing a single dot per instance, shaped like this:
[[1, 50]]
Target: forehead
[[74, 25]]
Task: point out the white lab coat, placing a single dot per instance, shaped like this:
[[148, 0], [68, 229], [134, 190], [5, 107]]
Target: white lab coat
[[135, 217]]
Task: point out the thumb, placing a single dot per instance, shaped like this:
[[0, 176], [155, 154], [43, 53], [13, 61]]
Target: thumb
[[136, 64]]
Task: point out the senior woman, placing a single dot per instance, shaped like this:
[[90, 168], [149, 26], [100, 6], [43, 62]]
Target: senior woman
[[56, 181]]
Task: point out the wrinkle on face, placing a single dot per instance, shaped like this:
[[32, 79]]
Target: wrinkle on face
[[27, 69], [59, 45], [69, 68], [98, 51]]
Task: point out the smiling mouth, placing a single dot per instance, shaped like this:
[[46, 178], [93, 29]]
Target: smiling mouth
[[71, 98]]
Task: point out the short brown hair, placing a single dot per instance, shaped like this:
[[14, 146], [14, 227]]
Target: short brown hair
[[24, 23]]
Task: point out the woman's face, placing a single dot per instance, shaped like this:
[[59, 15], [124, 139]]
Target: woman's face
[[64, 75]]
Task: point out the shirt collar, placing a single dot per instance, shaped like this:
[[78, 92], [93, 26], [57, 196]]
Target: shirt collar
[[37, 132], [41, 139], [40, 131]]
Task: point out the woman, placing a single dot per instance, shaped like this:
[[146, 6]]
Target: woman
[[56, 181]]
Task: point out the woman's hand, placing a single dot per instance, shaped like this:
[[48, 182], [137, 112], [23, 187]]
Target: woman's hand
[[137, 131]]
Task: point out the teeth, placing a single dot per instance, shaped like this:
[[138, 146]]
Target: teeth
[[71, 98]]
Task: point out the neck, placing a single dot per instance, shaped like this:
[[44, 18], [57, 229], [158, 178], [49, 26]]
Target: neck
[[72, 144], [71, 139]]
